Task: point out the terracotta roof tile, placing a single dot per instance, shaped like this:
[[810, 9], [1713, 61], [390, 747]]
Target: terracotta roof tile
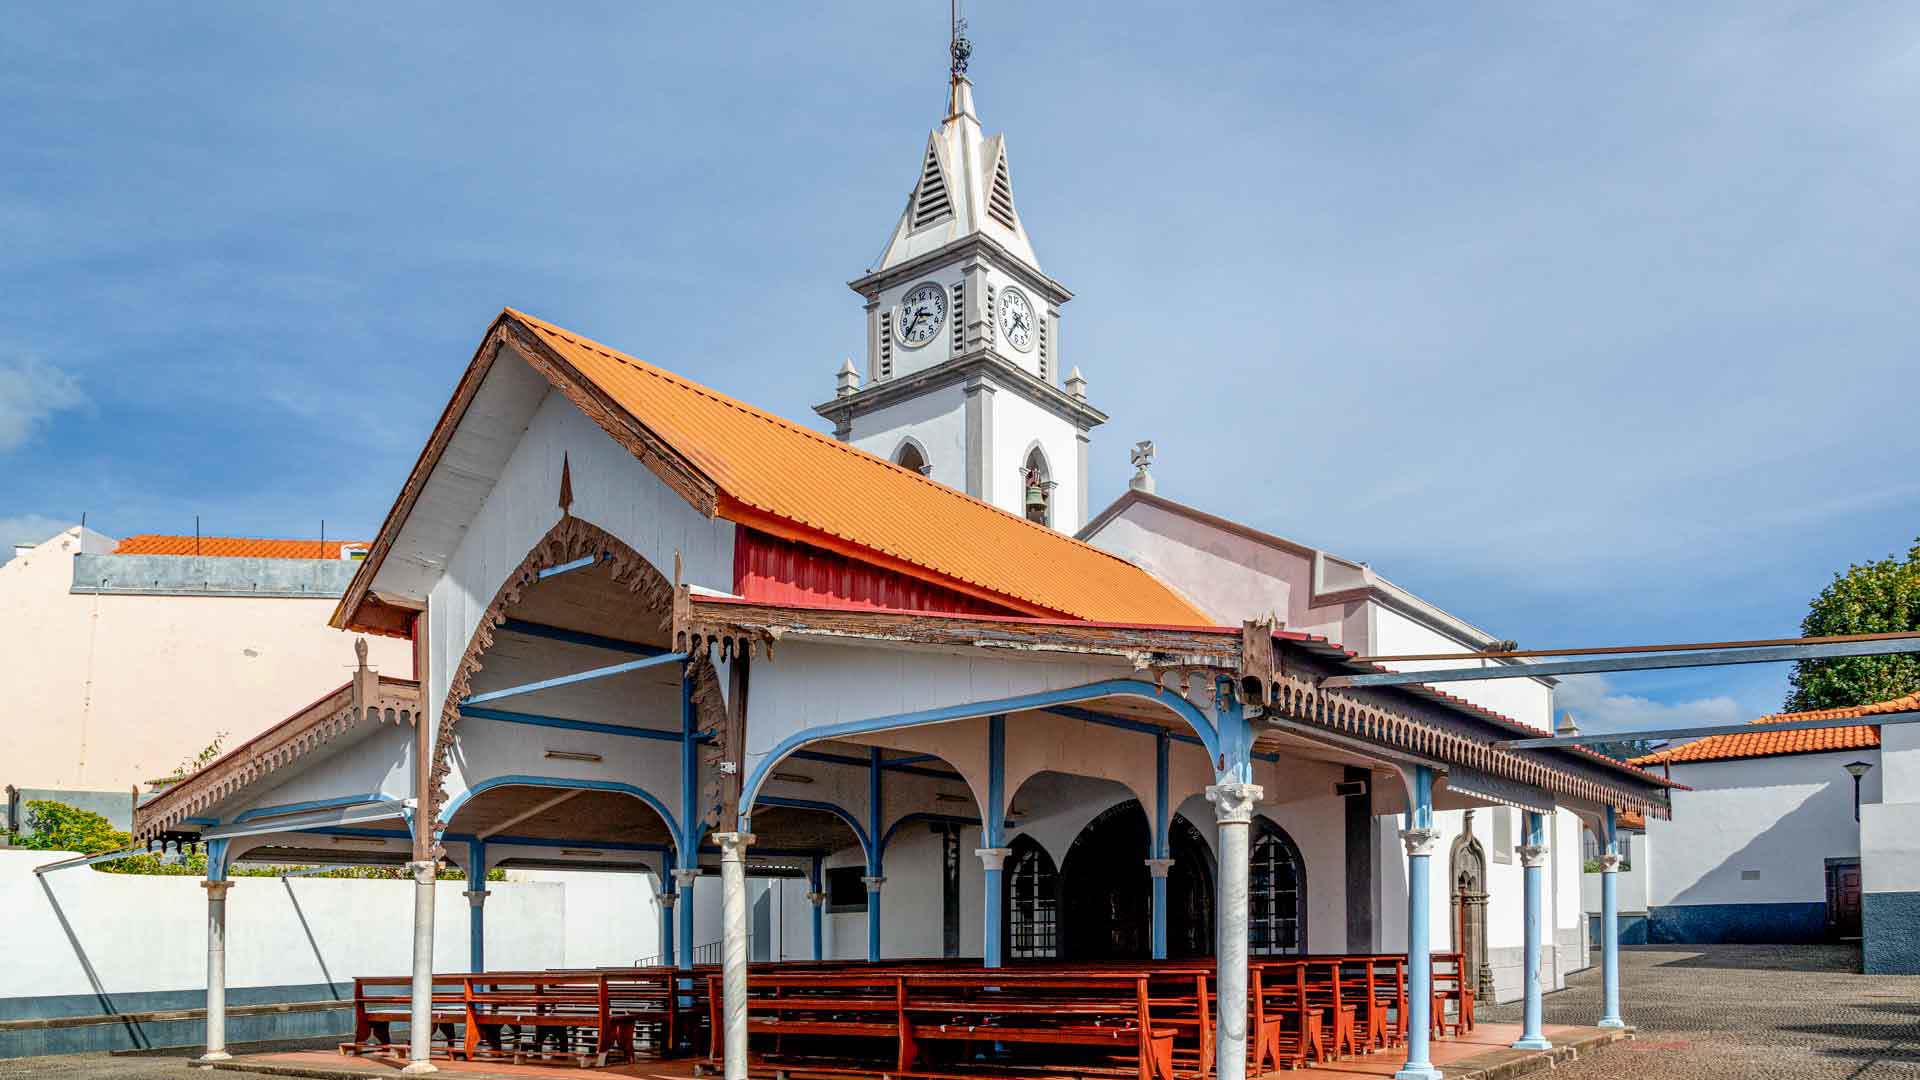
[[1764, 743], [233, 547], [773, 473]]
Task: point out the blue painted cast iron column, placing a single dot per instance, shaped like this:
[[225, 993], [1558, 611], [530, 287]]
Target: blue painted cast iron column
[[667, 897], [1419, 838], [817, 898], [1159, 864], [1533, 860], [476, 906], [876, 874], [1610, 927], [688, 846], [993, 851]]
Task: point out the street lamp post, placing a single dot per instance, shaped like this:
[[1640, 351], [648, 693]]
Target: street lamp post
[[1857, 769]]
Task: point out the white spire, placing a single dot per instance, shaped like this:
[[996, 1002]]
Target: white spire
[[964, 186]]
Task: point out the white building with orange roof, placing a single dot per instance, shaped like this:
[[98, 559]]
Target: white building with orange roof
[[140, 652], [1797, 835]]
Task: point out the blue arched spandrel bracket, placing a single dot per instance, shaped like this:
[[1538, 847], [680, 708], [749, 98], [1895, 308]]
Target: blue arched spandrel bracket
[[1136, 688]]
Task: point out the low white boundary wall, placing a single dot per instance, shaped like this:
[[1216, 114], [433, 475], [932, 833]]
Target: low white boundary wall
[[79, 931]]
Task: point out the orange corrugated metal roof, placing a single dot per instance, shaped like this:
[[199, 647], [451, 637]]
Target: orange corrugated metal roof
[[234, 547], [771, 472], [1764, 743]]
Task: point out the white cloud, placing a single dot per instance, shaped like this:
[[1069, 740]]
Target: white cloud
[[1597, 707], [30, 392], [26, 529]]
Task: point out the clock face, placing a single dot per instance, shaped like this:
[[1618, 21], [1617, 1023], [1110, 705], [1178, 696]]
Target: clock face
[[1016, 319], [922, 312]]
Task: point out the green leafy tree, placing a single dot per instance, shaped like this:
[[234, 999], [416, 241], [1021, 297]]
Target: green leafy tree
[[55, 826], [1869, 598]]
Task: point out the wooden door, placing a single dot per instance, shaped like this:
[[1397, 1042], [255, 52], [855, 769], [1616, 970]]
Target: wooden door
[[1843, 898]]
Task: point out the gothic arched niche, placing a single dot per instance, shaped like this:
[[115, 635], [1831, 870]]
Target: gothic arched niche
[[1037, 485], [912, 456], [1467, 875]]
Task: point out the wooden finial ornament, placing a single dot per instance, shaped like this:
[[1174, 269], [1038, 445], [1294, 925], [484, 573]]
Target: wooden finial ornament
[[566, 486]]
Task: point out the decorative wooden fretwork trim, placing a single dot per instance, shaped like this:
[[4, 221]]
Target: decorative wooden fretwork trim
[[1297, 697], [396, 702], [570, 538]]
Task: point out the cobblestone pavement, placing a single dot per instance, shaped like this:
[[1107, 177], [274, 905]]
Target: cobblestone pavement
[[162, 1064], [1747, 1011]]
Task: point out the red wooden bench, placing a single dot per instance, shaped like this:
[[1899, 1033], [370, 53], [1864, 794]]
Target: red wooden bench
[[379, 1002], [1103, 1010], [1451, 983]]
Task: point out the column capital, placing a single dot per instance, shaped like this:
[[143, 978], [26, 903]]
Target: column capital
[[1420, 841], [216, 890], [1532, 855], [477, 897], [1610, 863], [1233, 803], [874, 881], [816, 898], [666, 898], [993, 858], [733, 844], [425, 871], [685, 876], [1159, 867]]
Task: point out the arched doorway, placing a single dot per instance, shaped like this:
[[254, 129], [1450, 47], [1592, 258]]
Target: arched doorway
[[1032, 904], [1189, 892], [1107, 889], [1276, 892], [1469, 888]]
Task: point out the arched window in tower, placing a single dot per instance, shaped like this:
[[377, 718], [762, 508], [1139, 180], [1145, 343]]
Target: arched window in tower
[[1037, 486], [1032, 902], [910, 456], [1276, 892]]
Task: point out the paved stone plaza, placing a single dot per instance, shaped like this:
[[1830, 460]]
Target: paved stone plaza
[[1746, 1011]]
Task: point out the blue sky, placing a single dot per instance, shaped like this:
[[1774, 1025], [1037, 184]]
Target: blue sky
[[1591, 324]]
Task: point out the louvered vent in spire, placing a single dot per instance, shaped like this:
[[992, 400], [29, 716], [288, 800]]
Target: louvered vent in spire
[[1000, 199], [931, 202]]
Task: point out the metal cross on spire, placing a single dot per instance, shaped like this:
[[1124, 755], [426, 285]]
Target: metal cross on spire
[[961, 48]]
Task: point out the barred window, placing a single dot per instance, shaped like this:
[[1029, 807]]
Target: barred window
[[1276, 892], [1033, 902]]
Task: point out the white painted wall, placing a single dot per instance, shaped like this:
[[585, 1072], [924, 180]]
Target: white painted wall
[[1017, 425], [1890, 814], [80, 931], [1780, 816], [1229, 576], [936, 419], [610, 489], [610, 919], [124, 688], [1527, 700]]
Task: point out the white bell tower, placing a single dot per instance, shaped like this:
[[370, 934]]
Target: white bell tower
[[963, 378]]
